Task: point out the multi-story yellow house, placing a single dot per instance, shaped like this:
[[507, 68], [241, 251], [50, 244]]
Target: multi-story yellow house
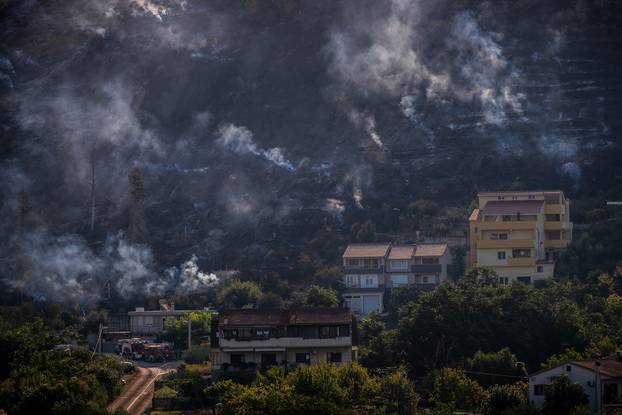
[[520, 234]]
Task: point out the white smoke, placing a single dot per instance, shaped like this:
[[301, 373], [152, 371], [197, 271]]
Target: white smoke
[[384, 54], [368, 122], [65, 269], [239, 139], [190, 278]]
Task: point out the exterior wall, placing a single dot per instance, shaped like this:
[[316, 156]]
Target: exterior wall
[[586, 378], [357, 300], [316, 355], [521, 235]]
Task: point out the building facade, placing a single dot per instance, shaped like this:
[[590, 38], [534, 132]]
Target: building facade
[[521, 234], [370, 270], [601, 381], [145, 322], [262, 338]]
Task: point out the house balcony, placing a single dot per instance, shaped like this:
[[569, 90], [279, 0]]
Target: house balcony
[[358, 288], [426, 268], [555, 225], [554, 209], [555, 243], [285, 343], [363, 270], [521, 262], [508, 225], [505, 243]]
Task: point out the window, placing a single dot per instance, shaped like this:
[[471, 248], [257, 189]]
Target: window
[[500, 197], [333, 357], [237, 359], [504, 280], [424, 280], [308, 332], [370, 263], [268, 359], [540, 268], [568, 368], [538, 390], [352, 280], [303, 358], [352, 262], [328, 332], [148, 320], [531, 197], [551, 218], [399, 264], [521, 253], [501, 255], [524, 280], [506, 218], [370, 281], [399, 280], [503, 236]]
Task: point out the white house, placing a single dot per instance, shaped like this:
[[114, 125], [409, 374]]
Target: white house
[[601, 380]]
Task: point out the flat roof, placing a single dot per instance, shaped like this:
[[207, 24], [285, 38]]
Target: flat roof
[[402, 252], [430, 250], [283, 317], [367, 250], [510, 207]]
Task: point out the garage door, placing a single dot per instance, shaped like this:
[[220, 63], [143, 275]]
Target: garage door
[[371, 303]]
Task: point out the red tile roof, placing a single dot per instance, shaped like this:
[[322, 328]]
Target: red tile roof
[[402, 252], [366, 250], [511, 207], [610, 366], [279, 317], [431, 249]]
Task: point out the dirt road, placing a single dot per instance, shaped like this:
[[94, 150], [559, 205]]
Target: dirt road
[[136, 396]]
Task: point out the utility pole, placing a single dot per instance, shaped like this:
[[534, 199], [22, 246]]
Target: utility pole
[[93, 188]]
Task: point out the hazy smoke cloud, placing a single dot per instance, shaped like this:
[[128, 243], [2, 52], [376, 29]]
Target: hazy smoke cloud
[[65, 269], [240, 141], [388, 54]]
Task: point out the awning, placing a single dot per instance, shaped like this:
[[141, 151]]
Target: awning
[[236, 350]]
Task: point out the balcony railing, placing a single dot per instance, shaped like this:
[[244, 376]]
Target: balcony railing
[[427, 268], [521, 262], [286, 342], [363, 269], [508, 225], [505, 243]]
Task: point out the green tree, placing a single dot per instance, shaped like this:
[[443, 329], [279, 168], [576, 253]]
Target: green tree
[[238, 294], [563, 396], [397, 393], [501, 398], [316, 296], [495, 368], [458, 261], [455, 391], [177, 329]]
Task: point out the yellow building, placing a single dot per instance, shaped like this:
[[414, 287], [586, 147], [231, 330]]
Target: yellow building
[[519, 234]]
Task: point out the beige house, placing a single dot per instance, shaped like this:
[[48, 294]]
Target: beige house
[[261, 338], [372, 269], [521, 234]]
